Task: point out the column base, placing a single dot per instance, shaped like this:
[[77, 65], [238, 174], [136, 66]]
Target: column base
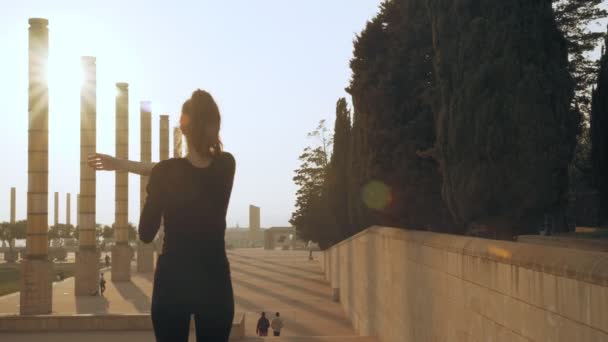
[[145, 257], [121, 262], [86, 277], [36, 297]]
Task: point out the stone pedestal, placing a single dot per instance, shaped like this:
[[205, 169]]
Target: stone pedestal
[[121, 262], [36, 287], [86, 277], [145, 257]]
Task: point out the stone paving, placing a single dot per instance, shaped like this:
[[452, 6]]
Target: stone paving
[[271, 281]]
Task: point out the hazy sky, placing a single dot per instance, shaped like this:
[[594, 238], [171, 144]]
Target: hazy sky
[[275, 67]]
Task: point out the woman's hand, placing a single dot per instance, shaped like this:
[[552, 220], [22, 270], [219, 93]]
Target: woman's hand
[[100, 161]]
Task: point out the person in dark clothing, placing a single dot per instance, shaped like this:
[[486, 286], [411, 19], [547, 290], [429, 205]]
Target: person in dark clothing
[[102, 284], [191, 195], [263, 325], [107, 260]]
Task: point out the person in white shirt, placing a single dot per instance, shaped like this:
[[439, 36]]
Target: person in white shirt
[[277, 325]]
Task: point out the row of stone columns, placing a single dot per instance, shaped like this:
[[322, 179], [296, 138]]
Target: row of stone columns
[[68, 207], [36, 289]]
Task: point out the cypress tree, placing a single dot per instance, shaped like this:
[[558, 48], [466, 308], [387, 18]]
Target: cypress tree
[[338, 172], [392, 69], [504, 125], [599, 132]]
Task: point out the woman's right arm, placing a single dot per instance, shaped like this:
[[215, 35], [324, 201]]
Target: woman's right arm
[[100, 161]]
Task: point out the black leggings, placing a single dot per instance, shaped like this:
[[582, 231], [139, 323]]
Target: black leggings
[[180, 293], [171, 325]]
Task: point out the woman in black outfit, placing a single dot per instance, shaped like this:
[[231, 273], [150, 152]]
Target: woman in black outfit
[[191, 195]]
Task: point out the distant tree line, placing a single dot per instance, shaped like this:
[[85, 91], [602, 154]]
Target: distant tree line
[[466, 119], [9, 232]]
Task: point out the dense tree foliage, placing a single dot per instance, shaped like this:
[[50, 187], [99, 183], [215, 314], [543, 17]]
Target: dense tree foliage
[[599, 131], [9, 232], [465, 118], [391, 83], [312, 217], [573, 18], [338, 172], [505, 130]]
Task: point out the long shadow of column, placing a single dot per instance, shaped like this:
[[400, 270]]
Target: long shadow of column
[[308, 291], [265, 261], [91, 305], [276, 270], [133, 294]]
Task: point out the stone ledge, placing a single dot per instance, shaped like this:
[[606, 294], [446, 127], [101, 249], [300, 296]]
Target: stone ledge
[[587, 266], [83, 322]]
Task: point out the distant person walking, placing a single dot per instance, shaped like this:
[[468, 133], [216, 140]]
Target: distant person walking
[[191, 195], [107, 260], [277, 325], [102, 284], [263, 325]]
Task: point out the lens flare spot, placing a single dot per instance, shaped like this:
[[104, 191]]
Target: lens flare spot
[[376, 195]]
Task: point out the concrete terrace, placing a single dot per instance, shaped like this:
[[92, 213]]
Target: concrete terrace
[[271, 281]]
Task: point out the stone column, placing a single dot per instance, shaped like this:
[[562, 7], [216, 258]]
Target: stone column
[[56, 211], [68, 209], [178, 142], [163, 154], [36, 289], [145, 252], [254, 224], [164, 138], [87, 259], [13, 200], [122, 252]]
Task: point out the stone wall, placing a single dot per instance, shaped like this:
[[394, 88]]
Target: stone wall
[[417, 286]]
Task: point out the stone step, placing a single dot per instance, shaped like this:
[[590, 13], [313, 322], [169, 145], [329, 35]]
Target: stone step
[[98, 323], [312, 339]]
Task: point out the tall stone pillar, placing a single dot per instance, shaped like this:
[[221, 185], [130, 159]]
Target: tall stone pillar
[[163, 154], [87, 258], [178, 142], [164, 138], [36, 289], [254, 224], [56, 211], [13, 203], [122, 252], [145, 252], [68, 209]]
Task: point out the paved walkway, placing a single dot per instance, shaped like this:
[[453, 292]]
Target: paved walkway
[[271, 281]]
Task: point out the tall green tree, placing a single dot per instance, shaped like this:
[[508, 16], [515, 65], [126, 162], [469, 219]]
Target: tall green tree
[[573, 18], [599, 131], [9, 232], [337, 176], [392, 75], [504, 124], [312, 217]]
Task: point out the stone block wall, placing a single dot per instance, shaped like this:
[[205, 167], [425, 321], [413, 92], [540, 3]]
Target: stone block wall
[[401, 285]]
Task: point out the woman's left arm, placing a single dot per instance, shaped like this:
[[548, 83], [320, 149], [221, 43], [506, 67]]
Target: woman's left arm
[[149, 221]]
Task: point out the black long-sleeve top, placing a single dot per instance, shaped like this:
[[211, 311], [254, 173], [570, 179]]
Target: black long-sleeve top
[[192, 202]]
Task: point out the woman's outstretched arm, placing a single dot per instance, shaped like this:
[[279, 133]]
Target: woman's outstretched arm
[[100, 161]]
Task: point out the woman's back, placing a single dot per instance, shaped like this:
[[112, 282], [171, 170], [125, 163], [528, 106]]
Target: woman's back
[[193, 203]]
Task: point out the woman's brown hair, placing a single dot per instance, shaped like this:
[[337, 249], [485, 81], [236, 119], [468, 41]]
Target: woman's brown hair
[[203, 130]]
